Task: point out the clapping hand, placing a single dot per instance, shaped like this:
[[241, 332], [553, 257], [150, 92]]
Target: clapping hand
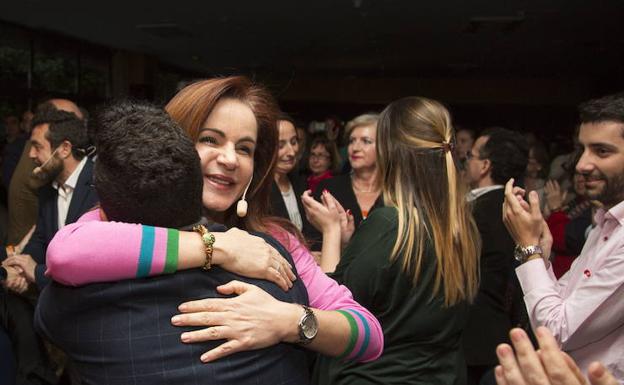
[[547, 366], [15, 281], [554, 195], [524, 221], [328, 215], [25, 263]]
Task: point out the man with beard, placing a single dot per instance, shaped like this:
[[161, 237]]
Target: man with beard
[[58, 146], [584, 309], [58, 140]]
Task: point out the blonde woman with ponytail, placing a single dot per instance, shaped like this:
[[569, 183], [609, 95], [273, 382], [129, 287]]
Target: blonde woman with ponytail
[[414, 262]]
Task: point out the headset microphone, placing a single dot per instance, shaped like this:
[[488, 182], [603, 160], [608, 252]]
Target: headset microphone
[[37, 170], [241, 206]]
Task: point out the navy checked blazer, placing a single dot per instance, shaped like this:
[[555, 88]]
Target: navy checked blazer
[[121, 333]]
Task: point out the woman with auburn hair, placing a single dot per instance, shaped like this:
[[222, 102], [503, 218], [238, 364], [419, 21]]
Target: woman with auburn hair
[[233, 123], [414, 262]]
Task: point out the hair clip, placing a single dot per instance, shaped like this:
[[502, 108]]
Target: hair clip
[[448, 146]]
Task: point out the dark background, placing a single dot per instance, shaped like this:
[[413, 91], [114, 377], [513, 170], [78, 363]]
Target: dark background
[[520, 64]]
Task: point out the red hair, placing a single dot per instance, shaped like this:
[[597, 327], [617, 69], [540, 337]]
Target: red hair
[[191, 107]]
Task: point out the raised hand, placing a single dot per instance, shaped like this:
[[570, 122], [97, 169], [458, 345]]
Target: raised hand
[[524, 222], [319, 214], [548, 366], [554, 195]]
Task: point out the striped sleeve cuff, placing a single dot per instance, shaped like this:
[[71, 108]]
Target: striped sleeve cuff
[[358, 348], [159, 251]]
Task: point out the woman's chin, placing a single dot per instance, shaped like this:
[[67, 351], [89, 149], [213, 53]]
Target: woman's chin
[[216, 205]]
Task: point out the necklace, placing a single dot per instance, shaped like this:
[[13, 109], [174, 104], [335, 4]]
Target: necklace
[[367, 191]]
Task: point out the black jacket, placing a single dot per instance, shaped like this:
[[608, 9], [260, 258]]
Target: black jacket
[[278, 208], [489, 320]]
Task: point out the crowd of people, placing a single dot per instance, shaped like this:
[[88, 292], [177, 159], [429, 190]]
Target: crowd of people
[[217, 240]]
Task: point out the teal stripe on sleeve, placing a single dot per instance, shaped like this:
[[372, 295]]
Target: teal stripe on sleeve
[[147, 251], [364, 346]]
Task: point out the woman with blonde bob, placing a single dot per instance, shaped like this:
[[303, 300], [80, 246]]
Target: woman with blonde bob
[[412, 263]]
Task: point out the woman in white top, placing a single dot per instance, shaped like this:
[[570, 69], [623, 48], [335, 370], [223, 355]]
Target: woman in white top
[[288, 186]]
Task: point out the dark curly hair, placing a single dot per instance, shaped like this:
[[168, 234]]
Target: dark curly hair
[[147, 170], [508, 152], [62, 126], [607, 108]]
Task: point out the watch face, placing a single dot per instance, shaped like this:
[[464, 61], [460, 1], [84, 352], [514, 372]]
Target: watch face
[[309, 327]]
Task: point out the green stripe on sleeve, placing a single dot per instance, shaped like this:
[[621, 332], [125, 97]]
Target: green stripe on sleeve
[[173, 240], [366, 335], [352, 337]]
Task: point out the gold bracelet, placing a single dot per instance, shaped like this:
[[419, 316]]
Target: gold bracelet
[[208, 239]]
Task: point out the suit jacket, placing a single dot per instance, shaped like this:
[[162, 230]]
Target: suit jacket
[[489, 319], [121, 333], [84, 198], [278, 207]]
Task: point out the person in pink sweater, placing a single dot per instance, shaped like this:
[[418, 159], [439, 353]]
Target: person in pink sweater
[[233, 123]]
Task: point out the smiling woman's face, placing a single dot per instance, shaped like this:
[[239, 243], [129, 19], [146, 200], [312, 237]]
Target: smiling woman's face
[[361, 147], [288, 147], [226, 145]]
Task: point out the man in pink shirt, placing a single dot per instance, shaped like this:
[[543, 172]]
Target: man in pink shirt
[[585, 308]]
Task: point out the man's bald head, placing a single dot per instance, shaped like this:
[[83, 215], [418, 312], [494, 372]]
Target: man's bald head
[[66, 105]]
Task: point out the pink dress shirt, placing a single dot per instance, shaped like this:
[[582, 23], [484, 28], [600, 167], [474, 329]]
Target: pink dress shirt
[[585, 308]]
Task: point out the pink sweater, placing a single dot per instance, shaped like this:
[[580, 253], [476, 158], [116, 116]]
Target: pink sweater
[[91, 250]]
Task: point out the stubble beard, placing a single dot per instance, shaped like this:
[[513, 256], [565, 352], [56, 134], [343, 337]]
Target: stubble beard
[[612, 192]]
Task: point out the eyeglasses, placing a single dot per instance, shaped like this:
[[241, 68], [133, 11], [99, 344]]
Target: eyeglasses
[[470, 155], [319, 156]]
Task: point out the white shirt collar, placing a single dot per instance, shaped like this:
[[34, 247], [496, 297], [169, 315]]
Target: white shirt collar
[[73, 178], [476, 193]]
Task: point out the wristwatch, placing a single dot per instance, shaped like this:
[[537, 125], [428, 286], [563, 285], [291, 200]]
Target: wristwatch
[[522, 253], [308, 326]]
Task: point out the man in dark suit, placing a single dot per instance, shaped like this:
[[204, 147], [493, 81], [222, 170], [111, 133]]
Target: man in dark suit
[[58, 146], [121, 333], [59, 141], [497, 155]]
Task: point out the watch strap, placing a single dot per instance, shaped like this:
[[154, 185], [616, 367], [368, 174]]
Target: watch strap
[[522, 253]]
